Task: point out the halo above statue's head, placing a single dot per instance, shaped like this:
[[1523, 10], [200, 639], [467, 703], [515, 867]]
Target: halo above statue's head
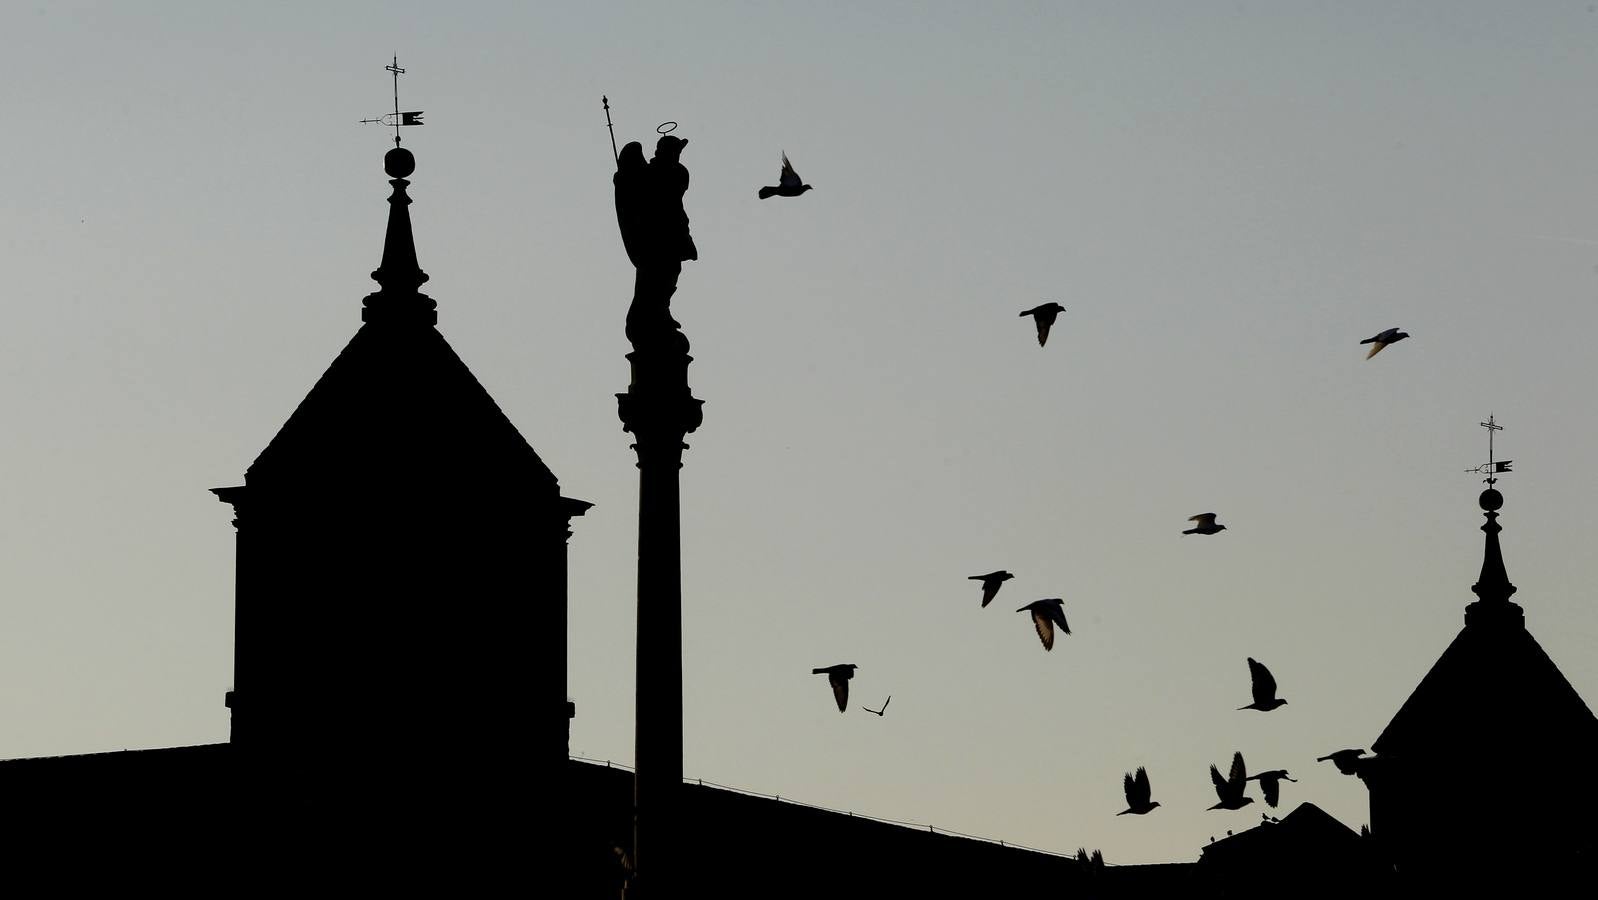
[[666, 128]]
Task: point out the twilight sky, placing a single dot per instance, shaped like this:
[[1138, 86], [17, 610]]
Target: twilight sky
[[1226, 197]]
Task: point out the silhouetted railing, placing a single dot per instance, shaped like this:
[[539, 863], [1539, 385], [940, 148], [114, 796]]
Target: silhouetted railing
[[842, 812]]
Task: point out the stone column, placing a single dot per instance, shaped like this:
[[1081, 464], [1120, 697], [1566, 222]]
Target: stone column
[[659, 410]]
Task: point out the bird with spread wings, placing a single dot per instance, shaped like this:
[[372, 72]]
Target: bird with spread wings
[[1045, 615], [1263, 684], [1230, 789], [788, 185], [1137, 790]]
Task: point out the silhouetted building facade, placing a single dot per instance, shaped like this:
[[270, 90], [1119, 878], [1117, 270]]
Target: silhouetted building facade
[[401, 599], [400, 640], [399, 713], [1485, 775]]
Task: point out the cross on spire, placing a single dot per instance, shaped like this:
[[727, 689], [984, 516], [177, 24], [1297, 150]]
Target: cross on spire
[[395, 68], [396, 118], [1493, 466]]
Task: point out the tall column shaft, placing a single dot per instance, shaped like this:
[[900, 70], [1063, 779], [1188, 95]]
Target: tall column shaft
[[660, 410], [658, 737]]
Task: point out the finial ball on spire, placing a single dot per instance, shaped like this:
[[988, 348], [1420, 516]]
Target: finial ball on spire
[[399, 162], [1491, 500]]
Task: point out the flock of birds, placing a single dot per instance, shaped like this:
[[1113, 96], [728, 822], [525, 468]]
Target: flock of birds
[[1229, 789], [1048, 614]]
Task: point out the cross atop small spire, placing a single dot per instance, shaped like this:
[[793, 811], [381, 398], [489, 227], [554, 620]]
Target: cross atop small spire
[[1492, 587], [395, 68], [396, 118], [1493, 466]]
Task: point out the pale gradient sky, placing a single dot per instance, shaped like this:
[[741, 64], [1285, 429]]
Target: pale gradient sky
[[1227, 197]]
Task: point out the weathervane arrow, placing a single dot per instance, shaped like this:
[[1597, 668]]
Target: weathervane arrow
[[396, 119], [1491, 467]]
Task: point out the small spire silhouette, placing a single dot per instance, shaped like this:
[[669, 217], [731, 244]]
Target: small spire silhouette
[[399, 274], [1492, 587]]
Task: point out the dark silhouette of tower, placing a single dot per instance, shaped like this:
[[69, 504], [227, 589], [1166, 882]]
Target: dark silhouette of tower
[[400, 625], [1485, 775]]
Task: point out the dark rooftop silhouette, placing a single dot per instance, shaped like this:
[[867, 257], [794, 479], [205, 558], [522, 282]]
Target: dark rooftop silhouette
[[1448, 781]]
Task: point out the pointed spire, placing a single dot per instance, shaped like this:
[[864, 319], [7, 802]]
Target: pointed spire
[[1492, 586], [399, 274]]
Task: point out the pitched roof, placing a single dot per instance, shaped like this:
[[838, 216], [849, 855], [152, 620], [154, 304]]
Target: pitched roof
[[399, 395], [398, 401], [1493, 682], [1307, 831]]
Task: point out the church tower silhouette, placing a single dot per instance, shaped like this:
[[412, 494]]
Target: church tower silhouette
[[1485, 775], [400, 618]]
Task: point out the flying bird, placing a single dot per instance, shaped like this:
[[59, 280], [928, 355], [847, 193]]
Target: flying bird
[[1271, 784], [1045, 615], [1206, 524], [991, 583], [1137, 792], [1045, 316], [1346, 761], [882, 710], [1390, 336], [1264, 687], [789, 185], [838, 676], [1230, 789]]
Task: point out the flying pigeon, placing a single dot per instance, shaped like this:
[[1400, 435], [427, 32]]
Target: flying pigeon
[[1045, 316], [1346, 761], [1390, 336], [789, 185], [1264, 686], [991, 583], [839, 676], [1045, 615], [1271, 784], [1206, 524], [1230, 789], [1137, 792], [882, 710]]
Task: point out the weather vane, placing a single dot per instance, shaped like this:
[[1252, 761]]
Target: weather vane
[[1491, 467], [397, 119]]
